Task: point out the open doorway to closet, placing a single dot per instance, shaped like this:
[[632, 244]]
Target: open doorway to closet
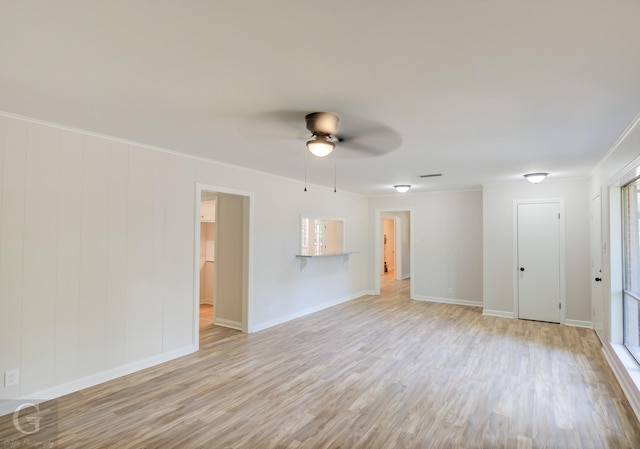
[[207, 256], [223, 253]]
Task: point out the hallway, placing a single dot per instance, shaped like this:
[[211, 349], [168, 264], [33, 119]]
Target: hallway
[[390, 287]]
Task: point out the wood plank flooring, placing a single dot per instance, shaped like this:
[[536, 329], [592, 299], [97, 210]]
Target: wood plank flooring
[[206, 316], [376, 372]]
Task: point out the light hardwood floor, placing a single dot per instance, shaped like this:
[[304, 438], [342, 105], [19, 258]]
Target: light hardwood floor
[[376, 372], [206, 316]]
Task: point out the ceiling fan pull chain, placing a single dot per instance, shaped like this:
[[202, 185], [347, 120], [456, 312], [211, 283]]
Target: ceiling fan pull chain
[[335, 170], [305, 169]]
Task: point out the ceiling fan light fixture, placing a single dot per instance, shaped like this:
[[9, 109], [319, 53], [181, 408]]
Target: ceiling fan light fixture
[[320, 146], [402, 188], [535, 178]]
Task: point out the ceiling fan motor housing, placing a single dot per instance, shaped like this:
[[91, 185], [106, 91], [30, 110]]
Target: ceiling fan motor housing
[[319, 123]]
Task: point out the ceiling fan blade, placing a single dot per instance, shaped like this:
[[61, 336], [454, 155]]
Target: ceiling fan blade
[[275, 125], [366, 137], [373, 140]]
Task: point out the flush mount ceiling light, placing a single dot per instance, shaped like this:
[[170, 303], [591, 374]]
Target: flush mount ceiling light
[[535, 178], [402, 188]]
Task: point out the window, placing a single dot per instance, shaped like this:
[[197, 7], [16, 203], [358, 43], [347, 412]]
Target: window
[[304, 238], [631, 241], [318, 241], [318, 237]]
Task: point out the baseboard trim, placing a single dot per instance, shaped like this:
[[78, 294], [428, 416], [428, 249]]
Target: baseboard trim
[[110, 374], [310, 310], [579, 323], [228, 323], [458, 302], [498, 313], [627, 372]]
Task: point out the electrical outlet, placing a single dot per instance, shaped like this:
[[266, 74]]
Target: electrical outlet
[[11, 378], [270, 309], [450, 290]]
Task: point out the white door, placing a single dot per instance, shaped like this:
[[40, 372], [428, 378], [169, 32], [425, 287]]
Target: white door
[[539, 261], [596, 267]]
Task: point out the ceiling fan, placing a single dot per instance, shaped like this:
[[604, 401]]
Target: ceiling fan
[[357, 136]]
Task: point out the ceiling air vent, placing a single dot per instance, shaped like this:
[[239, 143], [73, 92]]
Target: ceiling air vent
[[431, 175]]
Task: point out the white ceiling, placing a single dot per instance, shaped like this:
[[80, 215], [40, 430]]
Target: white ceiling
[[482, 91]]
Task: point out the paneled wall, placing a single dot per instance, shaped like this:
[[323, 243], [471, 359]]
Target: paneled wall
[[97, 254], [88, 271]]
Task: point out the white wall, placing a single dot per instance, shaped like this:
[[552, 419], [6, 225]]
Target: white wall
[[446, 243], [97, 254], [622, 158], [621, 162], [288, 287], [230, 264], [405, 244], [498, 239]]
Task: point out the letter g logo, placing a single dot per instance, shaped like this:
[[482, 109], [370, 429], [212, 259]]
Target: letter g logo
[[32, 421]]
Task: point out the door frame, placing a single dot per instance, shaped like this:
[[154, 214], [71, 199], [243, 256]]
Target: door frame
[[561, 242], [247, 299], [597, 310], [377, 259], [397, 243], [397, 247]]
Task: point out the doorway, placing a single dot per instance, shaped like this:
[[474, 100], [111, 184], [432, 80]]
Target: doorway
[[223, 256], [539, 260], [207, 256], [388, 246], [393, 247]]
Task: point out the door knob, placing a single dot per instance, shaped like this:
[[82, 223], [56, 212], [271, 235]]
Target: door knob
[[521, 268], [598, 279]]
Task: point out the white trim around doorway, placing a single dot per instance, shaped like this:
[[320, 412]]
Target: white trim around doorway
[[563, 288], [248, 298], [377, 260]]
